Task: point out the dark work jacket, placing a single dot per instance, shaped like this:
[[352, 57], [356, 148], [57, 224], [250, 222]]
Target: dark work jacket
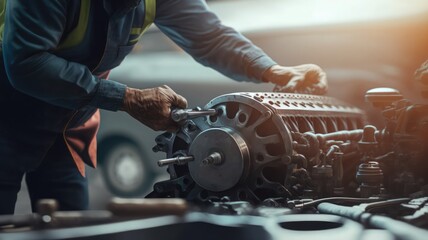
[[44, 87], [70, 90]]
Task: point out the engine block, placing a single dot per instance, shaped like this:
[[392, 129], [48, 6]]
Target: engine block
[[263, 146]]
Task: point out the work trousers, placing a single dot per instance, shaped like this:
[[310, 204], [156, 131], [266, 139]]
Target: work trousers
[[54, 177]]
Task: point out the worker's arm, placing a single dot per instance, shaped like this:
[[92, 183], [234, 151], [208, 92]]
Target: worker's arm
[[191, 25], [200, 33], [33, 30]]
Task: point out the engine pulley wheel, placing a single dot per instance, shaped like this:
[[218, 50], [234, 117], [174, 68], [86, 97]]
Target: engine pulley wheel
[[220, 157]]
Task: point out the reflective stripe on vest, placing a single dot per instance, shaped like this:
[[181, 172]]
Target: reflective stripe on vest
[[2, 14], [149, 18], [77, 34], [74, 37]]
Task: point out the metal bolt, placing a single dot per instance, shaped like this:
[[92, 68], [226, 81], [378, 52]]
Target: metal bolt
[[176, 160], [213, 159]]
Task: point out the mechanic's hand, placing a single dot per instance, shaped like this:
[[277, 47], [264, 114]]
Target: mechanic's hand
[[306, 78], [152, 106]]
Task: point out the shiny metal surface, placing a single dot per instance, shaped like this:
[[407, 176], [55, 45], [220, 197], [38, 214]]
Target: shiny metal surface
[[234, 158]]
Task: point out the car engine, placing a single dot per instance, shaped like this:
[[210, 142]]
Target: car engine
[[304, 153], [270, 166], [272, 147]]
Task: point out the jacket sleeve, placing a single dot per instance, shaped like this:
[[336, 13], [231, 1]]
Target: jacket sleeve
[[192, 26], [33, 30]]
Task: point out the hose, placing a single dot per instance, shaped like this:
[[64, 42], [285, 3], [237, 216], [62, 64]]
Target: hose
[[401, 230]]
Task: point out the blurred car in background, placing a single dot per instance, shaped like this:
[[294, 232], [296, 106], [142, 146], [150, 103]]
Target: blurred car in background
[[361, 44]]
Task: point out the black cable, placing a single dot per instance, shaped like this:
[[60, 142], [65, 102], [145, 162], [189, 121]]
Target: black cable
[[307, 204], [401, 230]]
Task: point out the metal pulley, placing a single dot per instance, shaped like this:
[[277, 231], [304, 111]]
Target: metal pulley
[[220, 156]]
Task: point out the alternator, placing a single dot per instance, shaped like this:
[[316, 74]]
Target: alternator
[[246, 149]]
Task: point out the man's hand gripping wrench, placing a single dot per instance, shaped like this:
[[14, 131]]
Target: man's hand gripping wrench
[[179, 116]]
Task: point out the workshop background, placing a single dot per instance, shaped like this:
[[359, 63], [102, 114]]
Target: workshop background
[[361, 44]]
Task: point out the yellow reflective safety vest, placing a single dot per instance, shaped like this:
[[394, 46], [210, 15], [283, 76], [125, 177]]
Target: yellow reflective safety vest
[[76, 36]]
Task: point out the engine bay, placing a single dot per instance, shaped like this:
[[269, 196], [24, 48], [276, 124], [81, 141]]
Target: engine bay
[[270, 166], [258, 147]]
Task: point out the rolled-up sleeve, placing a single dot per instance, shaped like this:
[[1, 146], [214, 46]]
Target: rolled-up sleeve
[[32, 32], [197, 30]]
